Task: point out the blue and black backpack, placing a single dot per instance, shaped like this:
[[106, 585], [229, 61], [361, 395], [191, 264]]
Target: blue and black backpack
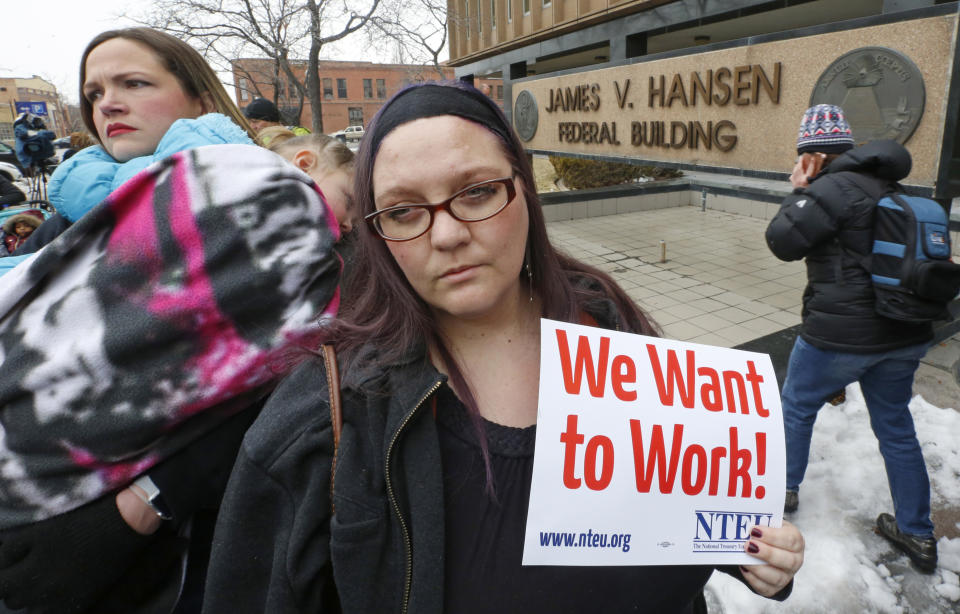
[[913, 276]]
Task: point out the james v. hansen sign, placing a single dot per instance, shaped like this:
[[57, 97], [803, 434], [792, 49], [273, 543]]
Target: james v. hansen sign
[[740, 85], [740, 107]]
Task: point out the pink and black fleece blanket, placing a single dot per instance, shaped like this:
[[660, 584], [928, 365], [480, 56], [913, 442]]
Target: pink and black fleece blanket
[[155, 317]]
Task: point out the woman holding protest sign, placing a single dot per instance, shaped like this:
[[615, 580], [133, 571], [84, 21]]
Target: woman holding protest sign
[[418, 503]]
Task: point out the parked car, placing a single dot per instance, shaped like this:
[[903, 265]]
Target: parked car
[[8, 155], [350, 133], [11, 172]]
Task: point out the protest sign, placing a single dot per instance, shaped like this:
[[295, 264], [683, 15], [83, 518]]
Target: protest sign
[[651, 451]]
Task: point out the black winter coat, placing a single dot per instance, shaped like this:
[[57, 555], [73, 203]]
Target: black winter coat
[[9, 193], [830, 223], [276, 548]]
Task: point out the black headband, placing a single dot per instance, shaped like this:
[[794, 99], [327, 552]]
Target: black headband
[[432, 100]]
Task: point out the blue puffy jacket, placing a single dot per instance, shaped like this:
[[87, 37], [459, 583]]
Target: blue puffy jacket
[[84, 180]]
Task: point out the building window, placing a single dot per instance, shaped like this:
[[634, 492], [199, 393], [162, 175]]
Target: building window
[[381, 88], [546, 3], [499, 92], [6, 131], [526, 7], [291, 90], [327, 88], [341, 88], [368, 88], [356, 116], [244, 89], [493, 14], [467, 13], [509, 11], [479, 19]]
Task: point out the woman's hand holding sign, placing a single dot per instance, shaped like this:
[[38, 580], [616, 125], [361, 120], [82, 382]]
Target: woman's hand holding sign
[[782, 549]]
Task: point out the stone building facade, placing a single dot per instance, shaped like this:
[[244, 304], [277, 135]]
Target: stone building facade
[[718, 85], [352, 91]]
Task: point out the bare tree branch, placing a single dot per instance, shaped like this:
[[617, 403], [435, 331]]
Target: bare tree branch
[[418, 29], [274, 31]]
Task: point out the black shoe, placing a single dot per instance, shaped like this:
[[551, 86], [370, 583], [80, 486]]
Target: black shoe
[[791, 502], [921, 550]]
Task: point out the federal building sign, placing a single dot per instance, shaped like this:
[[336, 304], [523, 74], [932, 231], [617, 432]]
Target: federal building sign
[[740, 107], [721, 87]]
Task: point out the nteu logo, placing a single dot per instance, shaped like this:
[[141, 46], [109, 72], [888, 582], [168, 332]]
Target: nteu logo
[[719, 526]]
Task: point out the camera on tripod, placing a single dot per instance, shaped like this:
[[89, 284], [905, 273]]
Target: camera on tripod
[[34, 141], [34, 150]]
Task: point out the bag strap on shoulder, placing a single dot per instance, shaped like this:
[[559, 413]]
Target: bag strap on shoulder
[[877, 193], [336, 409]]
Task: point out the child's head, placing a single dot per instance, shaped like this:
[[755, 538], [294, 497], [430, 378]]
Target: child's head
[[22, 224], [271, 136], [328, 162], [22, 229]]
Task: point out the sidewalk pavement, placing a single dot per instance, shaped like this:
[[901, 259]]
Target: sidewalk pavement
[[720, 285]]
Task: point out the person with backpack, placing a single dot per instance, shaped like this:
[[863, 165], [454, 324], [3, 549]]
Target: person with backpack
[[829, 221]]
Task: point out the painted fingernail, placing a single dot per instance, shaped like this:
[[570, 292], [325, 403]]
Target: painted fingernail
[[752, 548], [756, 532], [743, 570]]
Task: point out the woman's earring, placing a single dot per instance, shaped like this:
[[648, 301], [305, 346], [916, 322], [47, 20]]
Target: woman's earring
[[530, 279]]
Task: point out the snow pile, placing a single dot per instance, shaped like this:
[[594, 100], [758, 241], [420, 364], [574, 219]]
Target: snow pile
[[847, 567]]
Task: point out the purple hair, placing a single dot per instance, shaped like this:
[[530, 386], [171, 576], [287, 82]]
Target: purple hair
[[380, 306]]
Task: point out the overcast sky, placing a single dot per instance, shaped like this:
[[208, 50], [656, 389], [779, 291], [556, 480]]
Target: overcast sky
[[47, 38]]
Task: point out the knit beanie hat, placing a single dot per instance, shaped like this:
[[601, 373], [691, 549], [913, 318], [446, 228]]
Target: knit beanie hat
[[261, 108], [824, 129]]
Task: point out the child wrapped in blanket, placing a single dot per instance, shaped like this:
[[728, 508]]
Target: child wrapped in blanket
[[137, 346]]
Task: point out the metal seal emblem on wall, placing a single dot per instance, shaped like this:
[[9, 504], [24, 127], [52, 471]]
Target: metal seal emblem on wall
[[880, 91], [525, 115]]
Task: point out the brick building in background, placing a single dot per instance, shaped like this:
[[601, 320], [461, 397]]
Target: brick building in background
[[352, 91], [31, 89], [8, 110]]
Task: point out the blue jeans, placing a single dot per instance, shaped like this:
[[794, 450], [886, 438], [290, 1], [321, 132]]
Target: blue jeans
[[886, 379]]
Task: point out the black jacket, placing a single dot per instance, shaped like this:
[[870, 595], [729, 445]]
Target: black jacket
[[9, 193], [830, 223], [275, 542]]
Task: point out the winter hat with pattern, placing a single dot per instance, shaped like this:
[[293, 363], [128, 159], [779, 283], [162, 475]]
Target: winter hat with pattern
[[824, 129]]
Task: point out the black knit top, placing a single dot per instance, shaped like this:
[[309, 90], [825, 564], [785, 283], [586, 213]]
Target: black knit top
[[484, 537]]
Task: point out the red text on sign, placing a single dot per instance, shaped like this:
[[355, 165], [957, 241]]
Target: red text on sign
[[598, 445], [717, 389], [733, 391], [698, 468]]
